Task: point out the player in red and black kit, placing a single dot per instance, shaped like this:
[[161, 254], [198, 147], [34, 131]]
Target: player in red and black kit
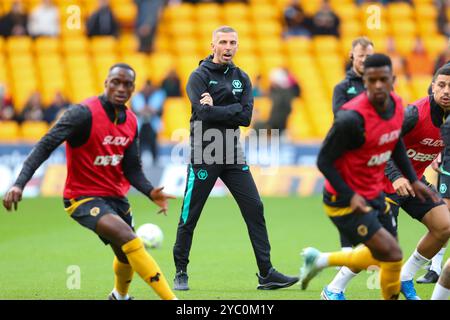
[[422, 137], [102, 162], [364, 136], [424, 142]]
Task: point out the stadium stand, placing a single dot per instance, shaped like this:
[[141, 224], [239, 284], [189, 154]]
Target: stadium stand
[[57, 64]]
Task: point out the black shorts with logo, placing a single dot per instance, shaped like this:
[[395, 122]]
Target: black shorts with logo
[[88, 210], [411, 205], [443, 184], [359, 228]]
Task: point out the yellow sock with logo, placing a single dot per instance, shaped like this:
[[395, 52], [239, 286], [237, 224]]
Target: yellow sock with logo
[[147, 268], [356, 259], [390, 279], [123, 275]]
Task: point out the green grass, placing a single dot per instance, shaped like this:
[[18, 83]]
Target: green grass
[[40, 242]]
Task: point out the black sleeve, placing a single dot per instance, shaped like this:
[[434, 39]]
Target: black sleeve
[[244, 117], [411, 118], [339, 97], [402, 161], [445, 133], [132, 168], [347, 133], [195, 88], [72, 122]]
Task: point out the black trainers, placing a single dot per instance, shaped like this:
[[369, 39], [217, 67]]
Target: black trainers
[[113, 297], [275, 280], [429, 277], [181, 281]]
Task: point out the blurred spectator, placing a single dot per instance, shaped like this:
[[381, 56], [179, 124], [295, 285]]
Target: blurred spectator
[[418, 62], [443, 58], [102, 21], [148, 104], [296, 21], [56, 108], [171, 84], [6, 107], [325, 21], [33, 110], [149, 12], [44, 20], [398, 62], [14, 23], [258, 91], [283, 89], [442, 19]]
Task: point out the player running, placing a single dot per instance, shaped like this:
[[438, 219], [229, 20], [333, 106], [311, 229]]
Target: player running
[[364, 136], [102, 162]]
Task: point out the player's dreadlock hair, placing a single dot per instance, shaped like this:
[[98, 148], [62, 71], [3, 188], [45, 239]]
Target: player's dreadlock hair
[[123, 66], [377, 60], [445, 70]]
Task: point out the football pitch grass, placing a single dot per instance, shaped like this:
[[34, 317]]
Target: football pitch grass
[[47, 255]]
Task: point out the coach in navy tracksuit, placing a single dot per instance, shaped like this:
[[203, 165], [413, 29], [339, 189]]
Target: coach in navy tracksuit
[[221, 98]]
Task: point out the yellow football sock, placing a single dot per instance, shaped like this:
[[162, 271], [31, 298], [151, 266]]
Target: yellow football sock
[[123, 275], [147, 268], [356, 259], [390, 279]]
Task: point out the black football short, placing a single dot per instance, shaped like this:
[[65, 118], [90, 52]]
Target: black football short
[[359, 228], [411, 205], [88, 210]]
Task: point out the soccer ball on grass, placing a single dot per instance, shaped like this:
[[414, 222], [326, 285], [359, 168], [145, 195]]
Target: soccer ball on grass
[[151, 235]]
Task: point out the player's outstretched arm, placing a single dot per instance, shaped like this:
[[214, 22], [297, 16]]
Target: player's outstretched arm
[[161, 199], [12, 198]]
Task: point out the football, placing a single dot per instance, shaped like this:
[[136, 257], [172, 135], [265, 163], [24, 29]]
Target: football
[[151, 235]]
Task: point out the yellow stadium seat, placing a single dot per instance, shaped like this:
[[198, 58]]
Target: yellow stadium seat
[[2, 44], [73, 45], [346, 11], [33, 130], [17, 44], [184, 11], [404, 45], [125, 13], [435, 44], [263, 12], [403, 28], [9, 131], [249, 63], [419, 86], [182, 46], [399, 11], [267, 28], [299, 123], [269, 44], [426, 11], [325, 44], [295, 46], [350, 28], [205, 28], [427, 28], [311, 7], [244, 28], [160, 64], [181, 28], [208, 11], [235, 11], [47, 45], [175, 118], [128, 43], [271, 61], [101, 44]]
